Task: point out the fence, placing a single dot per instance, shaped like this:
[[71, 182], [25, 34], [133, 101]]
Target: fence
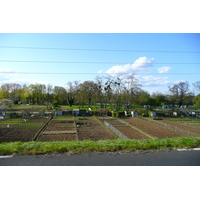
[[75, 128], [41, 129], [175, 128], [115, 131]]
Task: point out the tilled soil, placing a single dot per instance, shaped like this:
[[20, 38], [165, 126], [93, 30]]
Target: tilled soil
[[131, 133], [15, 134], [92, 129], [127, 130], [60, 125], [59, 130], [153, 129], [183, 126], [57, 137]]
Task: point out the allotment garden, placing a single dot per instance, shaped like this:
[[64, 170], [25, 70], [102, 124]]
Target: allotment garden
[[95, 127]]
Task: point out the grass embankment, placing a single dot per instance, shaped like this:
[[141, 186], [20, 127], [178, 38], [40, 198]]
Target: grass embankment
[[98, 146]]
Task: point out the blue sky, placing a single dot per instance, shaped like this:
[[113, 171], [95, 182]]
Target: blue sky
[[152, 58]]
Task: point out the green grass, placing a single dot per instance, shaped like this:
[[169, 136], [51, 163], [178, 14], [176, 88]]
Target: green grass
[[98, 146], [64, 117], [29, 125], [35, 107], [82, 118], [12, 121]]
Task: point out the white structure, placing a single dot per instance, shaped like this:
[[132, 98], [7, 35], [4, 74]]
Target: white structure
[[153, 114], [147, 106], [174, 113], [165, 107], [125, 112]]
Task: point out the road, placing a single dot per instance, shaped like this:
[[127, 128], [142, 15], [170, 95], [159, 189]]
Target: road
[[143, 158]]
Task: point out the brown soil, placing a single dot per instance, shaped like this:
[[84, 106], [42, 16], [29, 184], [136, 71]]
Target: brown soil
[[131, 133], [183, 126], [153, 129], [23, 135], [92, 129], [57, 137]]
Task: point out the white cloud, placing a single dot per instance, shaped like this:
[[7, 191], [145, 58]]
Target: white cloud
[[164, 69], [7, 73], [150, 81], [24, 81], [141, 65], [100, 71]]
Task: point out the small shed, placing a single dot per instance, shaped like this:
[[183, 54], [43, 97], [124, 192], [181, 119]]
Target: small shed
[[153, 114], [67, 112], [183, 107], [76, 112], [1, 117], [165, 107], [147, 106], [58, 112], [134, 113], [193, 114]]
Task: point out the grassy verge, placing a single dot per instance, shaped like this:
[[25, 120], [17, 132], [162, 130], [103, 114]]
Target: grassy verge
[[98, 146]]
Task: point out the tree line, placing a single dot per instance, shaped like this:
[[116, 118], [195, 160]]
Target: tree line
[[104, 90]]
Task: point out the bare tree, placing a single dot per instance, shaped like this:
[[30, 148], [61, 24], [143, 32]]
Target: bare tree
[[179, 92], [197, 85]]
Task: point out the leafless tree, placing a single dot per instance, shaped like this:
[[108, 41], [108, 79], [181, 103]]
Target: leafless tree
[[197, 85], [179, 92]]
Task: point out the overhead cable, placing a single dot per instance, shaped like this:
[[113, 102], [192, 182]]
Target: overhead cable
[[88, 62], [117, 50]]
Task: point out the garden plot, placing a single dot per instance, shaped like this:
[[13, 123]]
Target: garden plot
[[60, 126], [183, 126], [153, 129], [59, 130], [57, 137], [91, 129], [128, 131], [24, 131]]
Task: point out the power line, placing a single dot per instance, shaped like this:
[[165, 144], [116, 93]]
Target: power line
[[90, 73], [116, 50], [86, 62]]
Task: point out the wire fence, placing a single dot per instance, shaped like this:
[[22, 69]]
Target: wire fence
[[115, 131], [41, 129]]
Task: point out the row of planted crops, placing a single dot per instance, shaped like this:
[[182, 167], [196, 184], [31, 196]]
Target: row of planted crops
[[92, 128]]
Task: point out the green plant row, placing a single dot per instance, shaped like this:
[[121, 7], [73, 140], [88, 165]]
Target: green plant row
[[97, 146], [30, 125]]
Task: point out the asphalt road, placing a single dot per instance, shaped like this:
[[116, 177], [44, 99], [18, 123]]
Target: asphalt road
[[145, 158]]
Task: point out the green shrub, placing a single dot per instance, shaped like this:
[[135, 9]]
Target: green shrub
[[121, 113], [82, 118], [115, 114]]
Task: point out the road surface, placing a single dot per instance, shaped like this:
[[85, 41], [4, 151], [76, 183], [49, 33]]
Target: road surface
[[183, 157]]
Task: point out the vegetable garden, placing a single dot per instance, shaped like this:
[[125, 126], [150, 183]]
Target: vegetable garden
[[93, 128], [23, 130]]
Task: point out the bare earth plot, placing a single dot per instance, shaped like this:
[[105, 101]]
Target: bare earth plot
[[183, 126], [92, 129], [127, 130], [57, 137], [23, 132], [59, 130], [153, 129]]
